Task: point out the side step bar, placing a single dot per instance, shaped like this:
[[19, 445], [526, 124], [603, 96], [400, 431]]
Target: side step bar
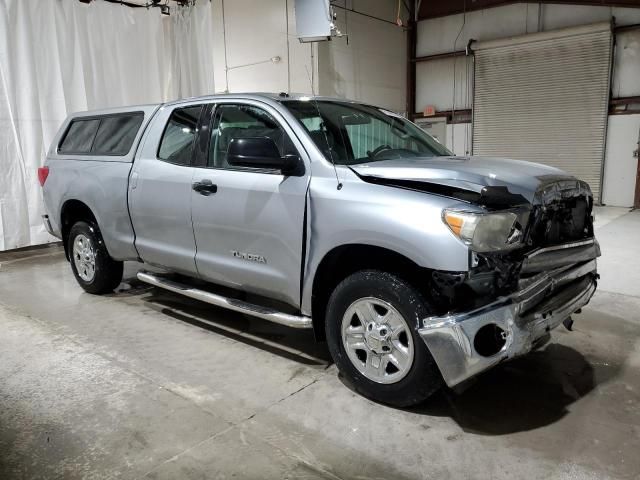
[[225, 302]]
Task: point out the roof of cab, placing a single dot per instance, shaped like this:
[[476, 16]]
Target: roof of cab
[[270, 96], [278, 97]]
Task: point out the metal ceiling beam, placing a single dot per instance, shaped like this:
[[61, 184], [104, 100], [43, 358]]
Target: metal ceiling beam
[[442, 8], [438, 56]]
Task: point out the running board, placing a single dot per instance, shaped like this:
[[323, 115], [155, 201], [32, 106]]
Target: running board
[[225, 302]]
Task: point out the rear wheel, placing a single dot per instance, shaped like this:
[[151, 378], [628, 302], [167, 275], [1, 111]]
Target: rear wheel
[[371, 324], [94, 269]]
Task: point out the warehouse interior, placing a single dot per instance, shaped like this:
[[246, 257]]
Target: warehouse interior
[[145, 383]]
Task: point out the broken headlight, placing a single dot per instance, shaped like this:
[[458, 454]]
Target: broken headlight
[[485, 232]]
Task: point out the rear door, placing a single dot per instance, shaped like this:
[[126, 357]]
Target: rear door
[[160, 190], [249, 226]]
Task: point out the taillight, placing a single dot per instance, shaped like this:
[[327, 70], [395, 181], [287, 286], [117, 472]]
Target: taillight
[[43, 173]]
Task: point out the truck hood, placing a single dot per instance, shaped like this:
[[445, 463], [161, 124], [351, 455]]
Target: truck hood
[[524, 180]]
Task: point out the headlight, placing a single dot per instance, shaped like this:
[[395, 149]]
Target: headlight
[[485, 232]]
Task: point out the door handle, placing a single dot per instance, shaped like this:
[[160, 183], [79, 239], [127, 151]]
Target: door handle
[[205, 187]]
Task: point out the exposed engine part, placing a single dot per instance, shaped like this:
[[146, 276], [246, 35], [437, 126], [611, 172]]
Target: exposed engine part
[[494, 275]]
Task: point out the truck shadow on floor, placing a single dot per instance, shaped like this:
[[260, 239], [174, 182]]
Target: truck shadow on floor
[[292, 344], [524, 394]]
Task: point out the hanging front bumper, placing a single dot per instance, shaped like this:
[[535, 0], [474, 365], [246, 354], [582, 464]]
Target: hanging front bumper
[[521, 320]]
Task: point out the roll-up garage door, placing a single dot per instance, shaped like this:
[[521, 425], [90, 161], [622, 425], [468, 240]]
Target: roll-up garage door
[[543, 97]]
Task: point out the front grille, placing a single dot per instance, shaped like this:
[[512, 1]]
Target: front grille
[[563, 214]]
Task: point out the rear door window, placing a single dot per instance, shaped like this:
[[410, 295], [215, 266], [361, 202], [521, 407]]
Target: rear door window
[[80, 135], [178, 138]]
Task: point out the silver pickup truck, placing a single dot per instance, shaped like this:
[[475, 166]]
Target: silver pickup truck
[[419, 268]]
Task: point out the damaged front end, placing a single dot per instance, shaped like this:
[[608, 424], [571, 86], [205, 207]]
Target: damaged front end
[[532, 255], [556, 230], [509, 300], [467, 343]]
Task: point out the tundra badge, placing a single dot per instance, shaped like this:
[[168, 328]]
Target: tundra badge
[[252, 257]]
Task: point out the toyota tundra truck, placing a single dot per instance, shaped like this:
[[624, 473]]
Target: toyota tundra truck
[[419, 268]]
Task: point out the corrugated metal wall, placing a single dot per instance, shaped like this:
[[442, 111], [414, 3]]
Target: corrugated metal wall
[[544, 98]]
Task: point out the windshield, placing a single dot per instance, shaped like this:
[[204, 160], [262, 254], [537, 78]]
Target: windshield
[[351, 133]]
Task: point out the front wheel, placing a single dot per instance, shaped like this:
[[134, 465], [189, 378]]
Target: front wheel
[[372, 330], [92, 266]]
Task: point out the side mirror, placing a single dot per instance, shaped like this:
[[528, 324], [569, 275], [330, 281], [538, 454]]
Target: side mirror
[[260, 152]]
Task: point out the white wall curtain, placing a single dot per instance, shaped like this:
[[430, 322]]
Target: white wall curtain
[[62, 56]]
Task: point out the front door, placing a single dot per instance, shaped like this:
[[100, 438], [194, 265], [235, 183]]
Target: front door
[[248, 223], [160, 191]]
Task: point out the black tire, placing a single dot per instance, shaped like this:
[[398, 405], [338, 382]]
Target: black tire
[[108, 272], [423, 378]]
